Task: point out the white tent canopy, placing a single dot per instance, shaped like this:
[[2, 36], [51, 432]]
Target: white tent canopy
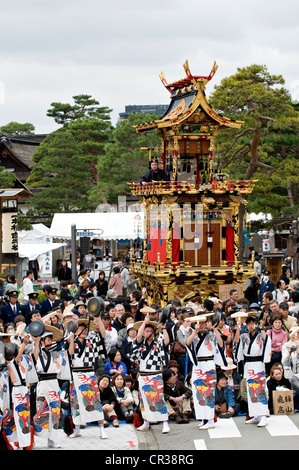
[[31, 243], [108, 225], [36, 234], [33, 250]]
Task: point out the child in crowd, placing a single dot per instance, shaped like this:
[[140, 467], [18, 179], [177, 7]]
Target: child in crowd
[[73, 287], [130, 383]]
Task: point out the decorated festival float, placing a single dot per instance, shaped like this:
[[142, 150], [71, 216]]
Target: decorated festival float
[[192, 221]]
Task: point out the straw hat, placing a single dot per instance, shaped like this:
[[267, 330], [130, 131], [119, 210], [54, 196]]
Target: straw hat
[[245, 314], [68, 314], [21, 328], [197, 318], [55, 332], [85, 321], [154, 324], [68, 310], [209, 314], [196, 308], [148, 309], [239, 315], [49, 315]]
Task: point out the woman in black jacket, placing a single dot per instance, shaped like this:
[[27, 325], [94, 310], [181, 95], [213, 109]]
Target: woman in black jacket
[[64, 272], [276, 379], [102, 285], [108, 400]]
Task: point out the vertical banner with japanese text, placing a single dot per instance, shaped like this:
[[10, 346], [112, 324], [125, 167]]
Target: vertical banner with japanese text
[[10, 233], [45, 260]]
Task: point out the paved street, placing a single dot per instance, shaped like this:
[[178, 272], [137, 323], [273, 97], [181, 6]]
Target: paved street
[[282, 433], [122, 438]]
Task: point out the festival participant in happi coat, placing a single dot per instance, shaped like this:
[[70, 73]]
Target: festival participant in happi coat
[[51, 365], [149, 350], [5, 400], [88, 348], [254, 348], [205, 348], [16, 406]]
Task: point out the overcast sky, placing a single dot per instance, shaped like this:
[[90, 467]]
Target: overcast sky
[[115, 50]]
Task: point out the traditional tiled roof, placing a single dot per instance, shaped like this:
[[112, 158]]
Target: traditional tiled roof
[[23, 147]]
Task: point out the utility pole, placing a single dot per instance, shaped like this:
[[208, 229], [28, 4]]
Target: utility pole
[[294, 230], [73, 251]]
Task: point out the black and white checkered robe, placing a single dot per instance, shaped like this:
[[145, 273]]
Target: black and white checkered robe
[[153, 360], [92, 348]]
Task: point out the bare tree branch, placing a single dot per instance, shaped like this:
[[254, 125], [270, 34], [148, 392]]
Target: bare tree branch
[[235, 153], [267, 167], [267, 118]]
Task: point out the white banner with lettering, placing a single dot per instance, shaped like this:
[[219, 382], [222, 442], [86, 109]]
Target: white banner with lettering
[[10, 232]]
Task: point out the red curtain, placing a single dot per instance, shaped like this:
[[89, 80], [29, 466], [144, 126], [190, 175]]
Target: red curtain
[[230, 252], [156, 245], [175, 249]]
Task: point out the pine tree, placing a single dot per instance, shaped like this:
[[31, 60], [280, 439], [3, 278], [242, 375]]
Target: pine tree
[[61, 175], [123, 161], [65, 164], [266, 147]]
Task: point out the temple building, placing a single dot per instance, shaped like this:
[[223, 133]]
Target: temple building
[[191, 221]]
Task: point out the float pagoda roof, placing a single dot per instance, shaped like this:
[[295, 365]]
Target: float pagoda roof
[[187, 100], [189, 79]]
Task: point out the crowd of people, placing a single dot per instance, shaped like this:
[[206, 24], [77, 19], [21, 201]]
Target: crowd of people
[[134, 361]]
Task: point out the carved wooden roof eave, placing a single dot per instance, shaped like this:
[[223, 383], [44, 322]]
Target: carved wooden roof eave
[[212, 113], [199, 102]]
